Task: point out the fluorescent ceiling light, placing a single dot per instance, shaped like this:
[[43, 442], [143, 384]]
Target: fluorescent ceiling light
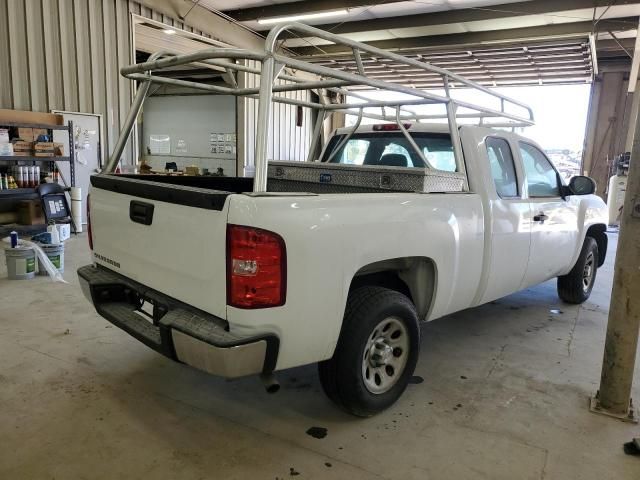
[[169, 31], [302, 16]]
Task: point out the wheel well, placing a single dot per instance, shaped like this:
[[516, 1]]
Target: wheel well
[[599, 233], [414, 277]]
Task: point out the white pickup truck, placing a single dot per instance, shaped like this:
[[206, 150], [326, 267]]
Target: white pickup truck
[[246, 284], [337, 261]]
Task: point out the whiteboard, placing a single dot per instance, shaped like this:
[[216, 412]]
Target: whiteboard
[[189, 121]]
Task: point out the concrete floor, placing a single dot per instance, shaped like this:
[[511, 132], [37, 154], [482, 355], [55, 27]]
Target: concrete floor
[[504, 397]]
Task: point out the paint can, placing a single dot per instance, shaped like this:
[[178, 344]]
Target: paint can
[[55, 254], [21, 263]]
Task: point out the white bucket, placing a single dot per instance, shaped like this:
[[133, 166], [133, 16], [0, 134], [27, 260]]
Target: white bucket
[[55, 254], [21, 263]]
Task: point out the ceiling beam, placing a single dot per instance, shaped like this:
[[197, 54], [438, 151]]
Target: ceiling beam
[[297, 8], [207, 21], [477, 38], [494, 12]]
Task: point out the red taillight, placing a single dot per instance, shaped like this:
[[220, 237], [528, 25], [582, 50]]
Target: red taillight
[[256, 268], [388, 127], [89, 234]]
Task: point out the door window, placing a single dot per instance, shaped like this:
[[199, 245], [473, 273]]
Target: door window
[[503, 169], [542, 179]]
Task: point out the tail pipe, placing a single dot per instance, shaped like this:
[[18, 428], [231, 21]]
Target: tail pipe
[[270, 382]]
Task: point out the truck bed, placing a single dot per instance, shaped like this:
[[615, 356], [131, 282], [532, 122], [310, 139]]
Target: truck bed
[[323, 178]]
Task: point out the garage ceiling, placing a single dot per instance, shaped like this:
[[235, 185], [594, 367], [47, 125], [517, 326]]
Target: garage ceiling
[[507, 42], [525, 63]]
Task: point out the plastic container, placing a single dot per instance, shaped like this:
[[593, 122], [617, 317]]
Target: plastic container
[[55, 234], [55, 254], [21, 263]]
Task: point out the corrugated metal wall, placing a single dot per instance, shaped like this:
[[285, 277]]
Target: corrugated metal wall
[[66, 54], [286, 140]]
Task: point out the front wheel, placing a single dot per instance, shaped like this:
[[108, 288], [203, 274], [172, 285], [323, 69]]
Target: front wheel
[[376, 353], [575, 287]]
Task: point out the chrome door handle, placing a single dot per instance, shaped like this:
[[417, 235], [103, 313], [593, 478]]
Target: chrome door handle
[[541, 217]]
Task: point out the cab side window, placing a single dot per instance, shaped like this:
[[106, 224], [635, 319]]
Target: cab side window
[[503, 169], [542, 179]]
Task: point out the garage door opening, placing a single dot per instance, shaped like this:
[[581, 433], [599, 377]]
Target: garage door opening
[[560, 112]]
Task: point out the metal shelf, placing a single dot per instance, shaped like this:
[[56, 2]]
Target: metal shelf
[[21, 158], [18, 193], [11, 195], [34, 125], [23, 230]]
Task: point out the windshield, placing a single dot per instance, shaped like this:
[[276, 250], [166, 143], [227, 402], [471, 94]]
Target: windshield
[[394, 150]]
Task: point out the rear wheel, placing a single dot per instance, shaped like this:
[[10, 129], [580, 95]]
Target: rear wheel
[[575, 287], [376, 353]]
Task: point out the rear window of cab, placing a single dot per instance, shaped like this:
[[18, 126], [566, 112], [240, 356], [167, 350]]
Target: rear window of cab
[[392, 149]]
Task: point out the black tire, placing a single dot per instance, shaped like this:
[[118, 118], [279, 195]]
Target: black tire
[[343, 376], [575, 287]]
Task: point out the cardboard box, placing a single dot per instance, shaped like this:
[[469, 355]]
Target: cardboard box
[[58, 149], [29, 134], [21, 116], [22, 149], [30, 212], [25, 134], [44, 149], [64, 231]]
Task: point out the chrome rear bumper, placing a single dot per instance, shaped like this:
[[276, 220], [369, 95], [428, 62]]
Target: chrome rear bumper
[[176, 330]]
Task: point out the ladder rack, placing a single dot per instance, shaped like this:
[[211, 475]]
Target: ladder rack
[[274, 65]]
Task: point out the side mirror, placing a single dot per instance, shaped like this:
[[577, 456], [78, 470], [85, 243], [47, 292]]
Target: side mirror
[[581, 185]]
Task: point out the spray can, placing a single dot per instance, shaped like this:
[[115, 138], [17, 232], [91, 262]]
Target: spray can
[[14, 239], [21, 176], [37, 175]]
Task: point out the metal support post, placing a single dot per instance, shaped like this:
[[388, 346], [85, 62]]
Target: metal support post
[[72, 154], [621, 343], [633, 117]]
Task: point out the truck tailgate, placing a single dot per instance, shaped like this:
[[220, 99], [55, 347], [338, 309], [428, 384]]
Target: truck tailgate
[[168, 237]]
